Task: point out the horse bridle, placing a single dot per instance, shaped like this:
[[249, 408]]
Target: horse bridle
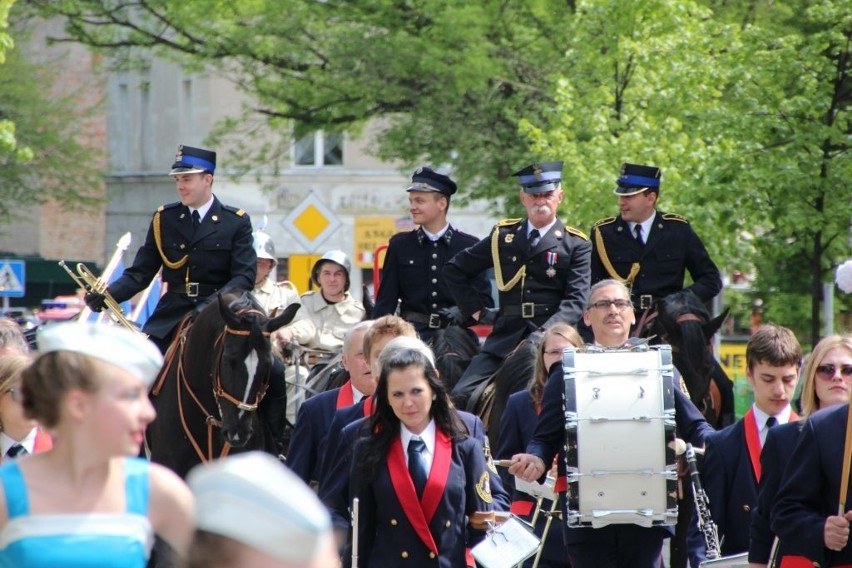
[[218, 391]]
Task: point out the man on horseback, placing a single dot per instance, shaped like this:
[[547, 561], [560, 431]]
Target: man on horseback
[[203, 247], [542, 272], [412, 284], [647, 249]]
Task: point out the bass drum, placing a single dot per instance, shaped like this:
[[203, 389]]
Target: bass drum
[[620, 430]]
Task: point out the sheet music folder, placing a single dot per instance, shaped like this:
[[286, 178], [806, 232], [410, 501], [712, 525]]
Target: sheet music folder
[[506, 545]]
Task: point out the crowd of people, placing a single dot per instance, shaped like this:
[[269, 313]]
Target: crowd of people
[[395, 437]]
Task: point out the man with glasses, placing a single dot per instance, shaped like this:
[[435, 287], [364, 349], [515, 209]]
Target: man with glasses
[[648, 249], [541, 268], [609, 315]]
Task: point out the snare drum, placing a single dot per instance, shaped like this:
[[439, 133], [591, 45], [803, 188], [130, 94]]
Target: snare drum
[[620, 429], [736, 561]]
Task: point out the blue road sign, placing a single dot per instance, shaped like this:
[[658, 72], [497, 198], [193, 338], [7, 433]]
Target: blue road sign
[[12, 278]]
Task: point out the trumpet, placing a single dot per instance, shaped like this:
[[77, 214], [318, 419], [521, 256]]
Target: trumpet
[[88, 281]]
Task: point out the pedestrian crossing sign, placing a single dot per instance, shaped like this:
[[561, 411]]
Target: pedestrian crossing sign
[[12, 278]]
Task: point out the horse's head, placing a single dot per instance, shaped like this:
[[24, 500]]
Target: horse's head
[[243, 363], [683, 322], [454, 347]]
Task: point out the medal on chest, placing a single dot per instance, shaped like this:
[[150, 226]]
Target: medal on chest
[[552, 257]]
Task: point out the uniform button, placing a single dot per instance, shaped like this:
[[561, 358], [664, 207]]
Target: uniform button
[[434, 281], [182, 246], [434, 267], [434, 255], [431, 555], [514, 258], [746, 508], [434, 306], [434, 294], [411, 261], [404, 554], [448, 524], [393, 522]]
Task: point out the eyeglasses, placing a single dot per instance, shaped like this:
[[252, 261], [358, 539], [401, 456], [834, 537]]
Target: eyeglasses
[[15, 393], [620, 305], [828, 371]]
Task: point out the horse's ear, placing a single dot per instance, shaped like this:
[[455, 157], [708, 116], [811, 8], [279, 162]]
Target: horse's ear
[[711, 327], [225, 311], [283, 318]]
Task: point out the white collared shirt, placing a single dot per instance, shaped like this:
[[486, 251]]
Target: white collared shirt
[[434, 237], [542, 231], [202, 211], [358, 395], [760, 417], [647, 224], [28, 442], [428, 437]]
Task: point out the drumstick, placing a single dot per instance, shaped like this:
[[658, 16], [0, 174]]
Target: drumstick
[[847, 457], [503, 463]]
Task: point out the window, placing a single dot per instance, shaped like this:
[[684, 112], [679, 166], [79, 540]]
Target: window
[[319, 149]]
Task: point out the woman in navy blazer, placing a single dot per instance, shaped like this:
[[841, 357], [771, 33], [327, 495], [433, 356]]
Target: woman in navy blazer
[[517, 426], [399, 523]]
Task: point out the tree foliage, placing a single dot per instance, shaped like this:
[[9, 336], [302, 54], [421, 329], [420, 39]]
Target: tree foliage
[[744, 105]]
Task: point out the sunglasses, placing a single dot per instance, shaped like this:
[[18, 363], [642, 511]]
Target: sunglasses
[[828, 371], [15, 393]]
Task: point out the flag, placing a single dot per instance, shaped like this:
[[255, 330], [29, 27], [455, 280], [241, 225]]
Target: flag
[[148, 301]]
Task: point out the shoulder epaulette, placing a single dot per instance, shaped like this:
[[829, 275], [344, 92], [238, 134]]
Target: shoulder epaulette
[[604, 221], [165, 206], [508, 222], [287, 284], [234, 210], [675, 217], [576, 232]]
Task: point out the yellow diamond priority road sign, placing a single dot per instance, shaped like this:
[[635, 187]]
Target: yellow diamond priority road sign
[[311, 222]]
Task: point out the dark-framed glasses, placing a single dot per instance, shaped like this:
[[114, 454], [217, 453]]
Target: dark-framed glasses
[[828, 371], [15, 393], [620, 305]]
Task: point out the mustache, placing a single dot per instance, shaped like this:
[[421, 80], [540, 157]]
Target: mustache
[[545, 209]]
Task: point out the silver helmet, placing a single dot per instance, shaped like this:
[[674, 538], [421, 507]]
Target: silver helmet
[[337, 257], [263, 245]]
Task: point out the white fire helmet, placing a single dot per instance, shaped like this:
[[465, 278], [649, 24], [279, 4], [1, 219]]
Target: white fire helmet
[[263, 246], [337, 257]]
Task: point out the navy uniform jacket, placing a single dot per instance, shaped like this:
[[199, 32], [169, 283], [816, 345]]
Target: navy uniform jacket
[[221, 257], [810, 489], [337, 461], [387, 535], [671, 248], [731, 486], [412, 273], [517, 426], [776, 453], [312, 425], [557, 280], [549, 439]]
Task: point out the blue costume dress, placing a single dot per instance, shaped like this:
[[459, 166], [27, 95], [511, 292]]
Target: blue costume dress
[[122, 540]]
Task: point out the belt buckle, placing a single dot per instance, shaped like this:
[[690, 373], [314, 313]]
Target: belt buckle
[[192, 289], [528, 310], [645, 301], [434, 321]]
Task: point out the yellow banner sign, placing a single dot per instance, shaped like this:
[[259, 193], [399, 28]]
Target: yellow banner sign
[[373, 232]]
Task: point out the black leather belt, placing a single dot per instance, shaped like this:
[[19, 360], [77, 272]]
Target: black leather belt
[[643, 301], [432, 321], [528, 310], [193, 289]]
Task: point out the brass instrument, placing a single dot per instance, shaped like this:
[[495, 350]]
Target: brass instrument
[[88, 281]]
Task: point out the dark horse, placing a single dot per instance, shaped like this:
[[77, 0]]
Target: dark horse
[[682, 321], [215, 375], [453, 347]]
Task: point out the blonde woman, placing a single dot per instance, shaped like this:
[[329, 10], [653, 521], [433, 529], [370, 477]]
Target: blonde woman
[[19, 435]]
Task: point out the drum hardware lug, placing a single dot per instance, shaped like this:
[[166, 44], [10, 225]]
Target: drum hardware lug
[[641, 392], [597, 392]]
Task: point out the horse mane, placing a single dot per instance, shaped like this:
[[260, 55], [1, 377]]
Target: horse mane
[[691, 351], [249, 312], [453, 348], [513, 375]]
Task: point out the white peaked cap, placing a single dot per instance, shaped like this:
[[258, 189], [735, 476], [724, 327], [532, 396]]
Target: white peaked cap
[[117, 345], [254, 499]]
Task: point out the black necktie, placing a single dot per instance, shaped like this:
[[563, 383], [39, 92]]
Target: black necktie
[[196, 220], [534, 237], [638, 230], [15, 451], [770, 422], [417, 464]]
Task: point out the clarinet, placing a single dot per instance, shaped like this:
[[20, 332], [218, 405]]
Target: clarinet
[[355, 532], [702, 506]]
